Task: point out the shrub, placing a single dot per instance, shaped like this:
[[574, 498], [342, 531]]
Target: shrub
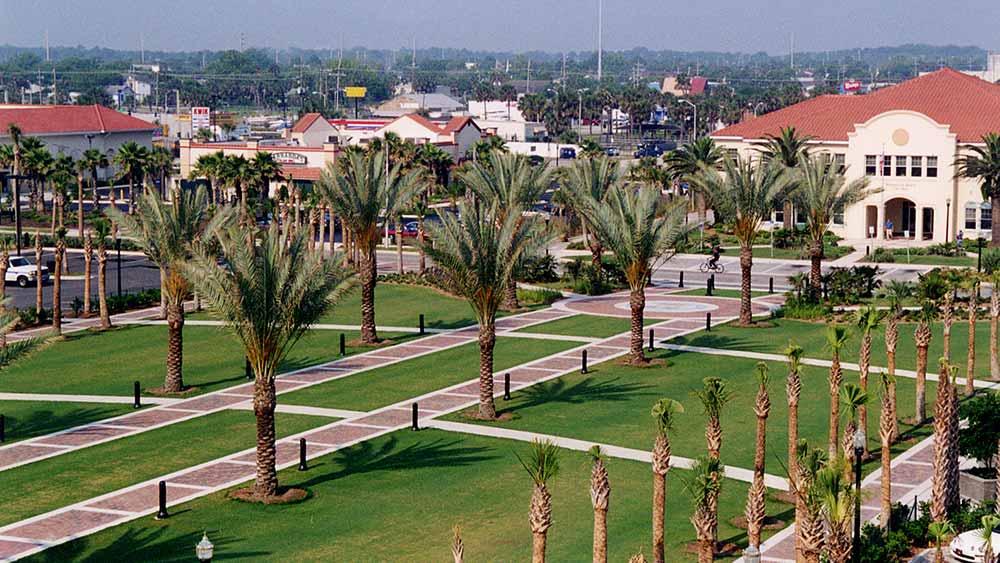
[[432, 277], [850, 285], [991, 259], [979, 439], [878, 546], [802, 308], [578, 245], [142, 298], [533, 269], [77, 306], [540, 296], [881, 255]]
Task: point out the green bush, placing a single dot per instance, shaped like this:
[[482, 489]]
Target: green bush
[[991, 259], [878, 546], [979, 439], [539, 296], [578, 245], [881, 255], [802, 308], [534, 269]]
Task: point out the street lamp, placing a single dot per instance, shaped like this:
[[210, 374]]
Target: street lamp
[[204, 549], [947, 219], [694, 129], [979, 254], [858, 441]]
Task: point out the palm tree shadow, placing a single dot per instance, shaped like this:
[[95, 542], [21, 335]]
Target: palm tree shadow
[[43, 422], [148, 544], [583, 391], [715, 340]]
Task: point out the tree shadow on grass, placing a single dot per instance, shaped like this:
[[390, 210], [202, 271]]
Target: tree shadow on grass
[[584, 391], [42, 422], [149, 544], [715, 340]]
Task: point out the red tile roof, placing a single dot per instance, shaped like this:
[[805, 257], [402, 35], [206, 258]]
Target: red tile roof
[[302, 125], [426, 123], [303, 173], [41, 120], [456, 124], [969, 106], [698, 85]]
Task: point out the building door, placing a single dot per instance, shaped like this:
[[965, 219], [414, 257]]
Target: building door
[[928, 219], [871, 221]]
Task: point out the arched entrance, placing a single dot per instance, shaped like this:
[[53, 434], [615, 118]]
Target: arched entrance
[[903, 214]]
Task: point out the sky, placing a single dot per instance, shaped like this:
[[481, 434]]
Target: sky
[[502, 25]]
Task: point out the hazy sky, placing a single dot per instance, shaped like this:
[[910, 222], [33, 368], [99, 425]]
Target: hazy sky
[[515, 25]]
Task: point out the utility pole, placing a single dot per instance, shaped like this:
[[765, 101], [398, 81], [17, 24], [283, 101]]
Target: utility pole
[[791, 50], [48, 56], [142, 50], [55, 91], [600, 39], [527, 81], [564, 68]]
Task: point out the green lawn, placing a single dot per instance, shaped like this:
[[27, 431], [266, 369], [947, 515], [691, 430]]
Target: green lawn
[[932, 259], [795, 253], [397, 497], [397, 382], [28, 419], [106, 363], [76, 476], [812, 337], [730, 293], [592, 326], [611, 405]]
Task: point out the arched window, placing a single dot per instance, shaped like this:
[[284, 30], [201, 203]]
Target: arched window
[[971, 210]]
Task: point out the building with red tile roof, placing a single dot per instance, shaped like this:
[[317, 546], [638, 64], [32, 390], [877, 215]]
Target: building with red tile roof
[[905, 140], [70, 129]]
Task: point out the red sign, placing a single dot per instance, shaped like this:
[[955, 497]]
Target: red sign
[[852, 85]]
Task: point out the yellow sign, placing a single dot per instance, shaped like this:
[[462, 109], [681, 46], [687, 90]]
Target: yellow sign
[[355, 91]]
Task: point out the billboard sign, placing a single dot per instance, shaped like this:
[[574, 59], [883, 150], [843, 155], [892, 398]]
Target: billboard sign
[[201, 118], [355, 91], [852, 86], [289, 157]]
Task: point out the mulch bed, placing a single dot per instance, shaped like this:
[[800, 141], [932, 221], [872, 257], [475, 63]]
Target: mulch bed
[[770, 523], [159, 392], [284, 496]]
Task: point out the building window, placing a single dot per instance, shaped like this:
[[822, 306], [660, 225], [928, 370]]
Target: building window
[[840, 161], [838, 215], [734, 154], [970, 216], [900, 166], [985, 216], [779, 214], [932, 167], [916, 166], [886, 165], [871, 165]]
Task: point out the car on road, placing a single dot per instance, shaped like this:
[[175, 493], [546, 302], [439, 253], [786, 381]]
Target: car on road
[[968, 547], [22, 272], [654, 148], [567, 153], [612, 151]]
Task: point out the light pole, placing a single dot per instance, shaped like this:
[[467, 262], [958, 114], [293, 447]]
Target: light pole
[[947, 219], [759, 104], [694, 128], [858, 441]]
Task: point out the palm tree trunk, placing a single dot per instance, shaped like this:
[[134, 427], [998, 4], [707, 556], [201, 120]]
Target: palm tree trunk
[[131, 195], [746, 265], [637, 303], [659, 515], [994, 333], [420, 237], [865, 361], [399, 246], [264, 402], [786, 215], [79, 205], [368, 276], [538, 547], [174, 383], [755, 511], [706, 550], [995, 227], [487, 341], [835, 406], [885, 434], [163, 292], [600, 535], [510, 295], [970, 363], [38, 273], [920, 406], [816, 267], [57, 295], [894, 410], [102, 277]]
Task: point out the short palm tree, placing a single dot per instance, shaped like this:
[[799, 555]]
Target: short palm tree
[[508, 182], [131, 160], [940, 532], [92, 160], [983, 163], [970, 283], [757, 495], [88, 270], [159, 164], [269, 294], [821, 192], [631, 224], [60, 257], [885, 428], [704, 489], [988, 526], [836, 337], [867, 320], [714, 397], [164, 232], [809, 528], [589, 180], [836, 495], [102, 229], [542, 464], [896, 292], [944, 480], [474, 251], [663, 413], [361, 189], [263, 170], [922, 337], [951, 280], [854, 398], [600, 498], [745, 192]]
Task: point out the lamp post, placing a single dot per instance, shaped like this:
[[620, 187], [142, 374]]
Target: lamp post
[[858, 441], [694, 128], [204, 549], [17, 207], [979, 254], [947, 219]]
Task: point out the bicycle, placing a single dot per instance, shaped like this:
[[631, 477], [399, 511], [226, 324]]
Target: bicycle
[[706, 267]]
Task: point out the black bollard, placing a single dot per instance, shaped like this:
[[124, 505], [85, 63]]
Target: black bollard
[[162, 514], [247, 372], [583, 366], [343, 345], [506, 386], [770, 285], [135, 395], [708, 322], [681, 282], [710, 285], [413, 425], [650, 340], [3, 429], [302, 455], [421, 323]]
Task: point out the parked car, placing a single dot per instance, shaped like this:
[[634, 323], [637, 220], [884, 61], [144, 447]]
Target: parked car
[[968, 547], [612, 151], [567, 153], [654, 148], [22, 272], [535, 160]]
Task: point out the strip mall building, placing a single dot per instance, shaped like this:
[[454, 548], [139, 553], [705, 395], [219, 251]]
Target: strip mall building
[[906, 140]]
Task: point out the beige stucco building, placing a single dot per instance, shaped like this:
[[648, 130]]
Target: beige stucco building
[[906, 140]]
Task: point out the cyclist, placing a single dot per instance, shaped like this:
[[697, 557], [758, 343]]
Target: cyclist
[[716, 252]]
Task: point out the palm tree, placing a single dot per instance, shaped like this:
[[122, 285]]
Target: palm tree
[[821, 192], [420, 209], [987, 529], [510, 183], [237, 173], [102, 229], [790, 150], [13, 351], [131, 160], [590, 180], [885, 428], [38, 273], [745, 191], [5, 246], [951, 282], [944, 480], [940, 532], [833, 487], [88, 261], [866, 320], [457, 545], [970, 283], [663, 413], [704, 488], [436, 161], [983, 164], [209, 166], [80, 169], [60, 256], [714, 396], [836, 337], [854, 398], [994, 279], [600, 498], [896, 292], [542, 465], [756, 497], [92, 159], [263, 170], [793, 390], [160, 163], [809, 507], [476, 254], [922, 338], [362, 188], [164, 232], [269, 294], [627, 222]]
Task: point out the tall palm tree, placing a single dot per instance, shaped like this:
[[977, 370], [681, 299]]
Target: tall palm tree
[[793, 391], [714, 397], [361, 189], [756, 497], [854, 398], [940, 532], [102, 229], [922, 337], [866, 320], [639, 233], [38, 273], [951, 280], [836, 495], [983, 164], [970, 283], [809, 520], [600, 498], [994, 279], [896, 292], [264, 169], [164, 232], [790, 149], [944, 480], [80, 169], [131, 160], [236, 173], [60, 256], [590, 180], [821, 192], [663, 413], [510, 183], [92, 159], [688, 160], [704, 488], [420, 209], [745, 191], [476, 254], [269, 295], [542, 464], [209, 166], [885, 428], [836, 337], [159, 164], [88, 270]]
